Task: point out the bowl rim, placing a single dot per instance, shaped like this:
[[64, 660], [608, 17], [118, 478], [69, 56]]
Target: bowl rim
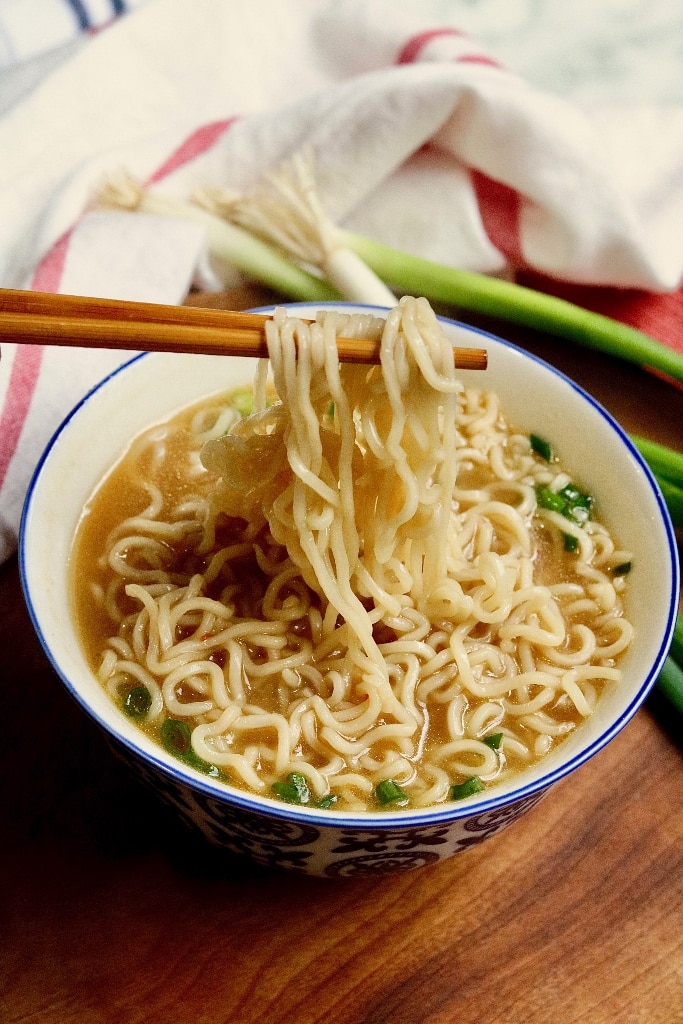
[[439, 814]]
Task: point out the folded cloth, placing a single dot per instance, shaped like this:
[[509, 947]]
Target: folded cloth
[[420, 140]]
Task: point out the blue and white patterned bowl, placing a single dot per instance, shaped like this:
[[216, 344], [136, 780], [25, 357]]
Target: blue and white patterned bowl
[[537, 398]]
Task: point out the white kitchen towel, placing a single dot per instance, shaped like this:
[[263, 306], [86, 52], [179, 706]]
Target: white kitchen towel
[[421, 140]]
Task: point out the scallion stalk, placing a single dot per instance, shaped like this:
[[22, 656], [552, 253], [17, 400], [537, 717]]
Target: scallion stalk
[[670, 683], [285, 210], [240, 248], [514, 303], [663, 461]]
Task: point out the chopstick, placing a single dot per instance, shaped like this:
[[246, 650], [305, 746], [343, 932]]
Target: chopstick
[[44, 318]]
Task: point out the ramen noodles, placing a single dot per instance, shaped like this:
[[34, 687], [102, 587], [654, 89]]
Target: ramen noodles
[[351, 587]]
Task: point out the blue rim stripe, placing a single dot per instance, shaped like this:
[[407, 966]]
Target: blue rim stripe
[[78, 9]]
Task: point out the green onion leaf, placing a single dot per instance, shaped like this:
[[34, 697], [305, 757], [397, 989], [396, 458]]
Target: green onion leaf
[[676, 651], [327, 801], [670, 683], [542, 447], [673, 497], [494, 741], [571, 543], [514, 303], [294, 790], [137, 702], [623, 569], [467, 788], [389, 792]]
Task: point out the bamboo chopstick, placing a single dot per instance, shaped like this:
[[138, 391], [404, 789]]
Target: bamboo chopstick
[[44, 318]]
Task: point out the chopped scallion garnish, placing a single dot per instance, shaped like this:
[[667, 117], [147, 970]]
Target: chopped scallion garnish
[[467, 788], [294, 790], [389, 792], [542, 447], [176, 736], [623, 569], [569, 502], [137, 702], [494, 740]]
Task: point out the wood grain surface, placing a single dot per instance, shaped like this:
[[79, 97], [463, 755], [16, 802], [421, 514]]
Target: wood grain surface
[[111, 913]]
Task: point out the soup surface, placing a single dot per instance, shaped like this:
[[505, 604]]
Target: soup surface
[[202, 627]]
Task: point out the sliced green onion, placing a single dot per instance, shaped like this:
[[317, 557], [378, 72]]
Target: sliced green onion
[[494, 740], [569, 502], [571, 543], [176, 737], [137, 702], [294, 790], [623, 569], [467, 788], [326, 802], [550, 500], [542, 447], [389, 792]]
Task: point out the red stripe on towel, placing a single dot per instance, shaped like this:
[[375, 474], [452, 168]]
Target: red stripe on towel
[[479, 58], [414, 47], [28, 360], [47, 278], [194, 145], [499, 206], [22, 384], [48, 273], [412, 50]]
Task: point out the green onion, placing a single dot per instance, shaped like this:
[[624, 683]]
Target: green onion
[[542, 447], [673, 498], [664, 462], [327, 801], [176, 737], [467, 788], [569, 502], [670, 683], [515, 304], [228, 242], [389, 792], [285, 210], [571, 543], [623, 569], [137, 702], [550, 500], [294, 790], [494, 740]]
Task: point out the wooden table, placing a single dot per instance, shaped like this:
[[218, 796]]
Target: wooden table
[[110, 913]]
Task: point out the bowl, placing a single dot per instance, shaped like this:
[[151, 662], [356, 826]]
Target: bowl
[[323, 842]]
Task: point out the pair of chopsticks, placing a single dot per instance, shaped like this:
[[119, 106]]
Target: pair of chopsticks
[[43, 318]]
